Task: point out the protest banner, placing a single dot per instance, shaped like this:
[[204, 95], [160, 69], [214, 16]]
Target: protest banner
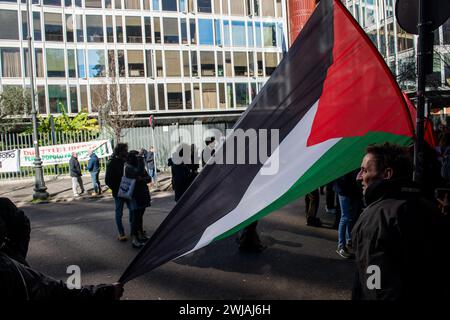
[[9, 161]]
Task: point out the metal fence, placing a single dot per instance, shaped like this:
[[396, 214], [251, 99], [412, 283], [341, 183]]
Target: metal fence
[[164, 138]]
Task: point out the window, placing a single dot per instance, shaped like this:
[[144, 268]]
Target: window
[[217, 6], [186, 68], [52, 2], [237, 7], [204, 6], [174, 96], [83, 99], [259, 62], [138, 97], [135, 63], [205, 31], [169, 5], [146, 4], [270, 36], [226, 34], [182, 5], [55, 63], [268, 9], [53, 27], [240, 64], [242, 98], [122, 95], [94, 28], [36, 26], [121, 61], [188, 95], [258, 34], [71, 63], [96, 61], [10, 62], [108, 4], [79, 27], [69, 28], [256, 7], [155, 5], [251, 43], [159, 63], [112, 63], [253, 90], [148, 30], [73, 99], [184, 36], [230, 95], [24, 25], [134, 29], [161, 97], [217, 32], [209, 96], [404, 40], [149, 62], [39, 62], [220, 71], [57, 98], [93, 3], [132, 4], [207, 64], [238, 28], [157, 30], [279, 9], [41, 100], [197, 102], [119, 29], [151, 96], [228, 66], [173, 64], [222, 101], [81, 64], [194, 64], [109, 29], [251, 63], [192, 30], [271, 62], [99, 96], [171, 30], [225, 7]]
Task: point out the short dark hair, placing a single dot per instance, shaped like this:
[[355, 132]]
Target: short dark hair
[[121, 149], [389, 155]]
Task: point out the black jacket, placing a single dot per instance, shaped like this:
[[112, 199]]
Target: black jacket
[[114, 173], [407, 238], [19, 282], [74, 166], [141, 193]]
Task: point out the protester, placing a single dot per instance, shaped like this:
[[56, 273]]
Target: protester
[[149, 157], [75, 173], [400, 233], [249, 240], [113, 176], [94, 169], [135, 169], [350, 200], [180, 171], [193, 165], [21, 282], [209, 150], [312, 201]]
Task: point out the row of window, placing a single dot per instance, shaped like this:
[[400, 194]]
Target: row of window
[[265, 8], [139, 63], [139, 30], [147, 97]]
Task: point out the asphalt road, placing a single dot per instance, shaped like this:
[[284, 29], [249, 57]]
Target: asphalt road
[[299, 263]]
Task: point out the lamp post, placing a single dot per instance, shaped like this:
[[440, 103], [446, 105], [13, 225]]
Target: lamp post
[[39, 184]]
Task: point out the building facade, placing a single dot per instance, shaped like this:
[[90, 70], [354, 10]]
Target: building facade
[[164, 56]]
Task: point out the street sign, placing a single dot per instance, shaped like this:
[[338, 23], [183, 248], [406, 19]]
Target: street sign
[[407, 13]]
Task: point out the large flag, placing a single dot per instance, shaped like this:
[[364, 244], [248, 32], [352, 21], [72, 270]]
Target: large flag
[[329, 98]]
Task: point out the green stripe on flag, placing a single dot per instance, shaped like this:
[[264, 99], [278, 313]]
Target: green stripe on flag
[[343, 157]]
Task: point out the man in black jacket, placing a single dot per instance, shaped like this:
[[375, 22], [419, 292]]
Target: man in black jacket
[[401, 239], [75, 173], [113, 176]]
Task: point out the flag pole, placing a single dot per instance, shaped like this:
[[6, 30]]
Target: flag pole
[[421, 73]]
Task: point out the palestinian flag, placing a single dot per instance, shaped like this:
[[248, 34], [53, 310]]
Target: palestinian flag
[[331, 96]]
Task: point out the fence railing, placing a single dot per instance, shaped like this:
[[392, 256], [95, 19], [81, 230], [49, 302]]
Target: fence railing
[[164, 138]]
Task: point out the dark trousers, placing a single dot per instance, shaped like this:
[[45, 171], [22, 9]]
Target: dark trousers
[[330, 196], [137, 220], [312, 201], [249, 236]]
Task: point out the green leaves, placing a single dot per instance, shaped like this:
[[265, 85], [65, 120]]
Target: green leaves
[[64, 123]]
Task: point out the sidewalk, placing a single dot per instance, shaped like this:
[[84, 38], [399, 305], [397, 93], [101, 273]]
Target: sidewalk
[[60, 189]]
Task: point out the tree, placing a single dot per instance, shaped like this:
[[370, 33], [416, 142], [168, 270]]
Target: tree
[[15, 102], [112, 103], [64, 123]]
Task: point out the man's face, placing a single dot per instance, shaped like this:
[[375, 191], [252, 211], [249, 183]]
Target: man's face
[[368, 172]]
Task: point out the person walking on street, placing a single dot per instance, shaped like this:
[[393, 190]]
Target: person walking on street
[[135, 169], [75, 173], [94, 169], [149, 158], [312, 201], [401, 240], [113, 176]]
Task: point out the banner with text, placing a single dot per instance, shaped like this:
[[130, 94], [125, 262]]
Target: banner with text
[[9, 161], [61, 153]]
